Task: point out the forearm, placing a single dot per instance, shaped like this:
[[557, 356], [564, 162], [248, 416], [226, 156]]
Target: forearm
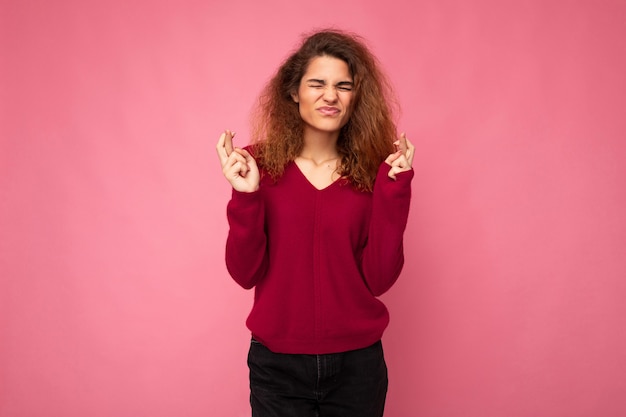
[[383, 256], [246, 254]]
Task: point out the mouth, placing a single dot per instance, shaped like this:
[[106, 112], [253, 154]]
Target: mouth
[[328, 111]]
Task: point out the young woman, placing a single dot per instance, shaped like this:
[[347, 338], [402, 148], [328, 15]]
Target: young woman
[[318, 210]]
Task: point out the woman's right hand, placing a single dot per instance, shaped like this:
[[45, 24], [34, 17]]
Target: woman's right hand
[[238, 166]]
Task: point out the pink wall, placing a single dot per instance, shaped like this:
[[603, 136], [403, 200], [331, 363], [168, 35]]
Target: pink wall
[[114, 299]]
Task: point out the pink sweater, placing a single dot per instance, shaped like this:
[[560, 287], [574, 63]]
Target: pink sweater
[[318, 259]]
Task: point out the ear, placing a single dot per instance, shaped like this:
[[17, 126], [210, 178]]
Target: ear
[[295, 97]]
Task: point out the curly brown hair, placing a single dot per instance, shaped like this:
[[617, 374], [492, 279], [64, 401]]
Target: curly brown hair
[[366, 139]]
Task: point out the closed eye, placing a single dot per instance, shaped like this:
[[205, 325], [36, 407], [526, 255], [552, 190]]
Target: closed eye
[[316, 83], [344, 86], [341, 86]]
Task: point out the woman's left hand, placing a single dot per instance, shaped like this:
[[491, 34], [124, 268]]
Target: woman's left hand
[[402, 159]]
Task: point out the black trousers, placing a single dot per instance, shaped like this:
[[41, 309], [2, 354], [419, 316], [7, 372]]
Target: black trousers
[[348, 384]]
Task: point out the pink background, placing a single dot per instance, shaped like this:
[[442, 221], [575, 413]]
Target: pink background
[[114, 298]]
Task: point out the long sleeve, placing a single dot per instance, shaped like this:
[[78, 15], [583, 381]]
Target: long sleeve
[[383, 257], [246, 251]]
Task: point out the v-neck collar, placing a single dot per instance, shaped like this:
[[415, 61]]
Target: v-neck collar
[[306, 179]]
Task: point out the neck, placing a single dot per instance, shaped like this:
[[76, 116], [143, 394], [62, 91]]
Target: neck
[[320, 146]]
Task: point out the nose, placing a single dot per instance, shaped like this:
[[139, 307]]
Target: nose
[[330, 94]]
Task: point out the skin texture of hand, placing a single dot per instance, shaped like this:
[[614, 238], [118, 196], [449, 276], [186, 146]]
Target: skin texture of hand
[[402, 159], [238, 166]]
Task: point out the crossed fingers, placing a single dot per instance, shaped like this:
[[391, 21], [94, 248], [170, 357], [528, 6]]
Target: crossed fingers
[[402, 159]]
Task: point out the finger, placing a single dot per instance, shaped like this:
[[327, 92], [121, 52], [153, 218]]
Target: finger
[[232, 159], [400, 162], [402, 143], [396, 169], [235, 168], [410, 152], [245, 154], [248, 156], [241, 154], [243, 169], [239, 159], [228, 141], [221, 150], [393, 157]]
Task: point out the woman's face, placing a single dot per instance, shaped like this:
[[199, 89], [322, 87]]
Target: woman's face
[[325, 94]]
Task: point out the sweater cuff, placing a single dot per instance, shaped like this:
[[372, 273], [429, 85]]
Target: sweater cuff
[[242, 203], [404, 176], [242, 196]]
